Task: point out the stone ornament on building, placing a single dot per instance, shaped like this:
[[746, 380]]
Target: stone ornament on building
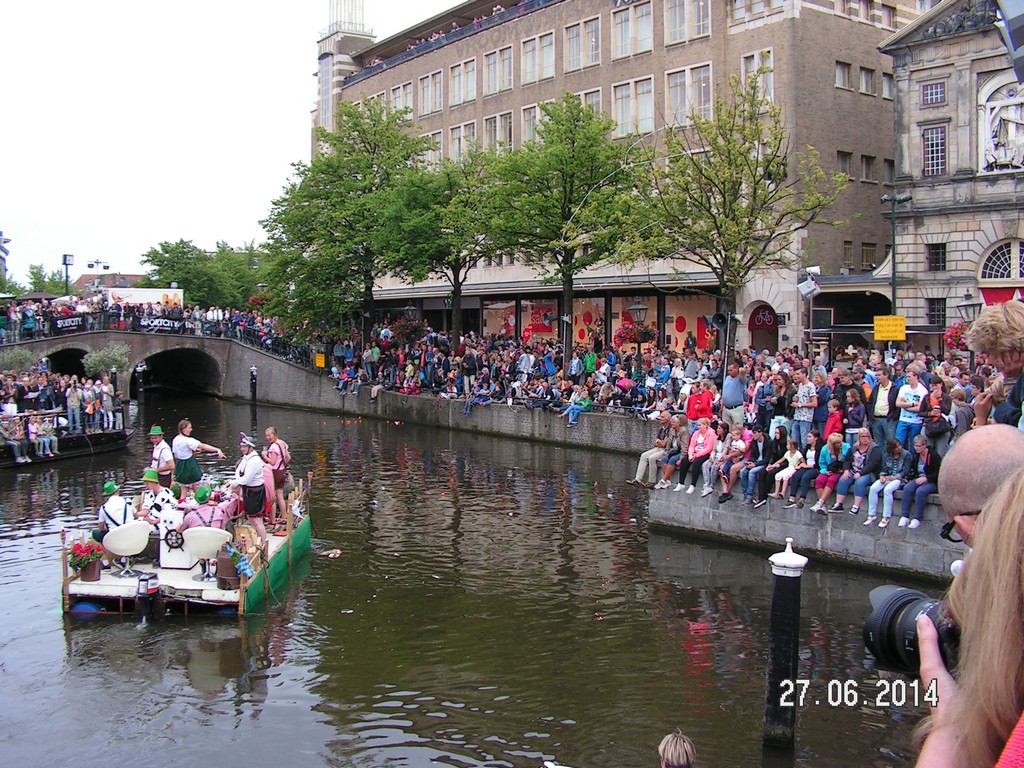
[[1002, 116], [971, 16]]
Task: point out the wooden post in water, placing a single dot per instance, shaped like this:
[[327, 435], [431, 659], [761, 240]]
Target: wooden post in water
[[780, 699]]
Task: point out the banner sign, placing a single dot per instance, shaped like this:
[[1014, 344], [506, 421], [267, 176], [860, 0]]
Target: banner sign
[[161, 324], [69, 324], [890, 328]]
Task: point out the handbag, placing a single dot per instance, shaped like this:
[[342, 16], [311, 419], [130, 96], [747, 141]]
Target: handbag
[[936, 428]]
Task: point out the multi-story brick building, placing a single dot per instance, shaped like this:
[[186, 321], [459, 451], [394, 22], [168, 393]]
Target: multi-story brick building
[[478, 73], [960, 139]]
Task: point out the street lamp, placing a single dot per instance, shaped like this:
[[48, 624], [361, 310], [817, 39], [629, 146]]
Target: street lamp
[[894, 200], [968, 309], [97, 265], [410, 311], [638, 312], [69, 259]]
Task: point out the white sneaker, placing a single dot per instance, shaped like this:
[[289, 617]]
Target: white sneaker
[[691, 489], [678, 488], [661, 484], [870, 520], [706, 492], [914, 524], [903, 522], [817, 507]]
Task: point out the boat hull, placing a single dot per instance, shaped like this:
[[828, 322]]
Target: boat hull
[[74, 447]]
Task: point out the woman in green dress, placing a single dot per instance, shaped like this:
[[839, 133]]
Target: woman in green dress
[[187, 472]]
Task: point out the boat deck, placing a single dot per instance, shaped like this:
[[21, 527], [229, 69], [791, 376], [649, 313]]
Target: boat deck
[[176, 584]]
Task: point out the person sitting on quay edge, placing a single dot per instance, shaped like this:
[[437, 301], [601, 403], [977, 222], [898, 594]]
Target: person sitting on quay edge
[[895, 466], [922, 480], [675, 450], [859, 470], [155, 498], [648, 463]]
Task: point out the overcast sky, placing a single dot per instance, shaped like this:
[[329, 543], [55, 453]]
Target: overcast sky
[[126, 123]]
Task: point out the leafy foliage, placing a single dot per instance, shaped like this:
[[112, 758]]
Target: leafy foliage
[[553, 195], [17, 359], [225, 278], [438, 221], [324, 229], [100, 362], [38, 280], [726, 193]]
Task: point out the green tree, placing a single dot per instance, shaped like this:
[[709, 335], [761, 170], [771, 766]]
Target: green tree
[[13, 287], [437, 224], [727, 193], [100, 362], [554, 197], [38, 280], [324, 229], [226, 277]]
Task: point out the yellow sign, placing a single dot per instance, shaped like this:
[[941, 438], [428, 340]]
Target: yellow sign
[[320, 363], [890, 328]]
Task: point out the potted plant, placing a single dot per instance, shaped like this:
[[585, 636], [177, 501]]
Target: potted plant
[[85, 560], [955, 337], [635, 333]]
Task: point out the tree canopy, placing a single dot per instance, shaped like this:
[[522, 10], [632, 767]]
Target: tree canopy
[[324, 229], [224, 278], [727, 192]]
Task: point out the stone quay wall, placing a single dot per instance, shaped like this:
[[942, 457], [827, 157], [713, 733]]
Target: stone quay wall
[[838, 537]]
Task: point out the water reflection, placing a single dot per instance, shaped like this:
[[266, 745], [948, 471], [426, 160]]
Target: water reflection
[[495, 603]]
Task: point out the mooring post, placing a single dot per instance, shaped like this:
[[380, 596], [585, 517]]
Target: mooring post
[[781, 700], [252, 386]]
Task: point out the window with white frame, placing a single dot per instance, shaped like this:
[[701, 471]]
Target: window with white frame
[[538, 58], [505, 129], [756, 6], [435, 153], [675, 21], [531, 117], [760, 64], [843, 72], [774, 5], [700, 17], [591, 42], [933, 94], [700, 91], [498, 131], [633, 30], [592, 99], [867, 80], [426, 95], [739, 10], [401, 96], [933, 150], [491, 132], [529, 59], [573, 49], [497, 71], [547, 55], [462, 82], [843, 162], [437, 82], [633, 103], [888, 85], [461, 139]]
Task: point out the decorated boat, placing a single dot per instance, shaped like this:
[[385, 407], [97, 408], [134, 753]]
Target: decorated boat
[[181, 578], [65, 446]]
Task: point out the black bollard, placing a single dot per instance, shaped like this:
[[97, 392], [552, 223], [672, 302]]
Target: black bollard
[[252, 386], [781, 698], [113, 378], [140, 381]]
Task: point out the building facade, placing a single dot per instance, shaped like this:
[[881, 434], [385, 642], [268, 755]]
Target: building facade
[[478, 73], [960, 154]]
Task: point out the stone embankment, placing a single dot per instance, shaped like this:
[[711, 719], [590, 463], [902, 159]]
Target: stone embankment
[[839, 537]]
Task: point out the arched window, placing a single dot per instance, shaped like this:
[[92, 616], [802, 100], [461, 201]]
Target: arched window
[[1004, 262]]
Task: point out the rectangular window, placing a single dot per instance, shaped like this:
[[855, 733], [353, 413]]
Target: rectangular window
[[530, 117], [843, 162], [933, 149], [889, 16], [937, 312], [848, 253], [425, 96], [497, 71], [491, 132], [678, 107], [867, 168], [700, 17], [774, 4], [505, 76], [435, 154], [592, 99], [700, 91], [868, 253], [888, 171], [756, 6], [505, 129], [644, 106], [401, 96], [436, 81], [530, 61], [739, 9], [469, 80], [933, 94], [455, 143], [634, 107], [490, 73], [842, 74], [455, 85], [888, 86], [867, 80], [675, 21], [591, 42], [573, 52], [633, 30], [497, 131], [622, 98], [760, 61], [547, 55], [936, 257]]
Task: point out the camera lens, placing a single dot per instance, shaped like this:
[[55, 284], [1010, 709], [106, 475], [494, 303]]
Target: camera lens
[[890, 632]]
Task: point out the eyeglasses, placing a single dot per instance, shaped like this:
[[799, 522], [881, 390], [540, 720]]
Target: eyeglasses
[[947, 529]]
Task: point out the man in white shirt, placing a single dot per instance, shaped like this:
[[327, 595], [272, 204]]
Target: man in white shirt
[[909, 400], [248, 480], [162, 459]]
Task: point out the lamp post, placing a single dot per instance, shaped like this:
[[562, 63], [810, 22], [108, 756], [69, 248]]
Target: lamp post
[[893, 201], [97, 264], [69, 259], [968, 310], [638, 312]]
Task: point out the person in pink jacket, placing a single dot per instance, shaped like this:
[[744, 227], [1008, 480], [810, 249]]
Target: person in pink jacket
[[702, 443]]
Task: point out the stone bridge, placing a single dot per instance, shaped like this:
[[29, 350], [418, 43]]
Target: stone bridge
[[200, 364]]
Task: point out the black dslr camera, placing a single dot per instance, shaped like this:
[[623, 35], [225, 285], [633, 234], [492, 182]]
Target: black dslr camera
[[890, 632]]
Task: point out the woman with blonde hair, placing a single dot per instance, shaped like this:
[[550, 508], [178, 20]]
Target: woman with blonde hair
[[979, 710], [677, 751], [999, 333]]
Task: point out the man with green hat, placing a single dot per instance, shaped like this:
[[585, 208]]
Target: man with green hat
[[162, 458], [114, 511], [205, 514], [156, 498]]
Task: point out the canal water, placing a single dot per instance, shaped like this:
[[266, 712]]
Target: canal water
[[495, 603]]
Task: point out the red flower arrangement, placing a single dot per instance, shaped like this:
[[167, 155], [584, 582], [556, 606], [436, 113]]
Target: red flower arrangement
[[409, 331], [82, 554], [955, 336], [635, 333]]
